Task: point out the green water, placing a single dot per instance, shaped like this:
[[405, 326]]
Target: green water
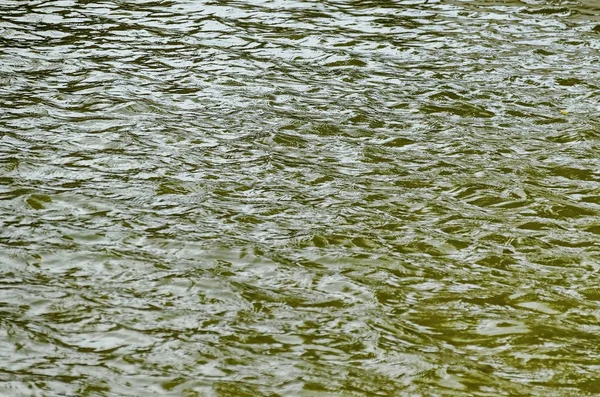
[[299, 198]]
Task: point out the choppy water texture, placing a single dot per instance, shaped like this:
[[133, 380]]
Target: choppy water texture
[[300, 198]]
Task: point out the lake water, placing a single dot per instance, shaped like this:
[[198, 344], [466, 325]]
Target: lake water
[[300, 198]]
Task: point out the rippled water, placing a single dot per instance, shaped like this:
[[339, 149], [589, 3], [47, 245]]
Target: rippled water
[[299, 198]]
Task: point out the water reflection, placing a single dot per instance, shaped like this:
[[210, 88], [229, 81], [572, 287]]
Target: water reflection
[[298, 198]]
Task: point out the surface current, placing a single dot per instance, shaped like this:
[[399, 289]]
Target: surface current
[[299, 198]]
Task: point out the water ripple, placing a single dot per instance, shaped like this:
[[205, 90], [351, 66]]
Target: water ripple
[[297, 198]]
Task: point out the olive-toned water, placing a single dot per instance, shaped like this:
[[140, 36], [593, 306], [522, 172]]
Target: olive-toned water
[[300, 198]]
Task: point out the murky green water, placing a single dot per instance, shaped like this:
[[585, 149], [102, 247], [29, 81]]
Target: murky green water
[[300, 198]]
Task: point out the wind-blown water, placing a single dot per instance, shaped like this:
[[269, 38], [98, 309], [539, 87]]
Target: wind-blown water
[[299, 198]]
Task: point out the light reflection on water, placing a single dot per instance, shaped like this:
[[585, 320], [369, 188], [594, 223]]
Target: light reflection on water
[[295, 198]]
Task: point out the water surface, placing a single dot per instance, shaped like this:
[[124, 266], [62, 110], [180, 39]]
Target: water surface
[[299, 198]]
